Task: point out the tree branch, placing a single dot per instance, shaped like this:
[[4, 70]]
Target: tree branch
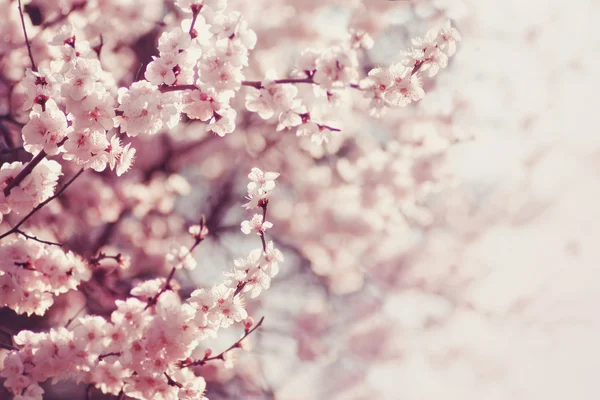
[[220, 356], [33, 66], [8, 347], [38, 240], [25, 171], [41, 205], [152, 301], [259, 85]]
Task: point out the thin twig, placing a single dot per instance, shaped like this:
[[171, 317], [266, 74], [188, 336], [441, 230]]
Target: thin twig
[[33, 66], [263, 204], [25, 171], [41, 205], [112, 353], [255, 84], [417, 67], [102, 256], [38, 240], [88, 391], [176, 88], [221, 356], [259, 85], [97, 49], [75, 316], [8, 347], [195, 11], [154, 299], [172, 382]]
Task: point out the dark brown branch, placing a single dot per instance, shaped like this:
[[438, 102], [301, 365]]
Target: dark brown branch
[[165, 89], [38, 240], [263, 204], [172, 382], [195, 11], [101, 256], [97, 49], [112, 353], [33, 66], [75, 316], [8, 347], [88, 391], [220, 356], [259, 85], [255, 84], [331, 128], [41, 205], [154, 299], [25, 171]]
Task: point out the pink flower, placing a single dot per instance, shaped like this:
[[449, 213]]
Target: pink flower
[[228, 309], [81, 78], [46, 128], [90, 332], [261, 181], [272, 258], [200, 104], [256, 224], [109, 377], [181, 257], [32, 392], [95, 111], [336, 67], [13, 365]]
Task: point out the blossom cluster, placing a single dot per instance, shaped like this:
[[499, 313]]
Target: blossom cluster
[[31, 274], [207, 53], [86, 107], [145, 347], [72, 108], [37, 187], [401, 84], [337, 68]]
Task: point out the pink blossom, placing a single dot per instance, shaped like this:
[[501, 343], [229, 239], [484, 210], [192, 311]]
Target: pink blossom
[[46, 128], [256, 224]]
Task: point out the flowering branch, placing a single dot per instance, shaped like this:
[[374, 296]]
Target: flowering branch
[[25, 171], [259, 85], [195, 11], [75, 316], [112, 353], [153, 300], [220, 356], [38, 240], [198, 237], [172, 382], [33, 66], [263, 203], [41, 205]]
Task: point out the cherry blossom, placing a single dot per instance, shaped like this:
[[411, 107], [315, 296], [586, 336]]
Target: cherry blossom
[[256, 224], [46, 128], [107, 262]]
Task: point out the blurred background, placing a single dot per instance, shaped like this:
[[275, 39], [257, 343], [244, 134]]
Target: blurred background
[[448, 249]]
